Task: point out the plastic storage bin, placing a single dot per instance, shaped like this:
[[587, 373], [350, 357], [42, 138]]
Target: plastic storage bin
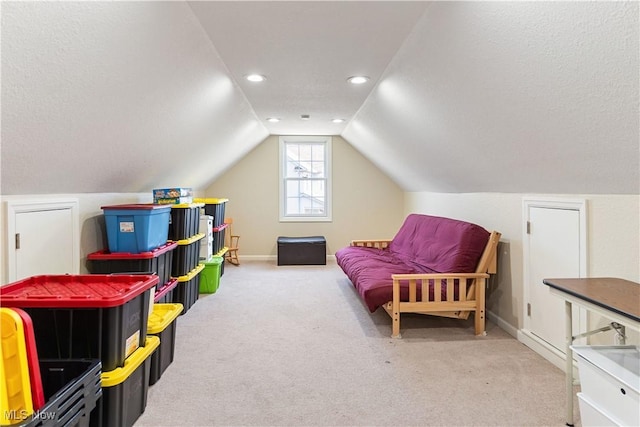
[[85, 316], [164, 293], [215, 208], [187, 291], [210, 276], [157, 261], [185, 220], [15, 385], [218, 238], [187, 256], [125, 389], [35, 380], [72, 389], [162, 323], [136, 228], [610, 382]]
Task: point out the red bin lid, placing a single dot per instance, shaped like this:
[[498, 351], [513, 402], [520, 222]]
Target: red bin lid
[[75, 291], [162, 291], [105, 255]]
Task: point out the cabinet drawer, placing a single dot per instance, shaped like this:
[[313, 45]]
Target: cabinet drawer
[[591, 415], [610, 388]]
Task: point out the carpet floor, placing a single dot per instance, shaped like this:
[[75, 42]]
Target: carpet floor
[[295, 346]]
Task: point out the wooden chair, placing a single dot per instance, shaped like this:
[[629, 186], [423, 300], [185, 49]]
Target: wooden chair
[[231, 242]]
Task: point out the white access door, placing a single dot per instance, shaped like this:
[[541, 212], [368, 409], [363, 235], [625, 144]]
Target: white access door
[[554, 248], [42, 239]]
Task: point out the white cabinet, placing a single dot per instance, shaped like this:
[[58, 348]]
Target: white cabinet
[[610, 385]]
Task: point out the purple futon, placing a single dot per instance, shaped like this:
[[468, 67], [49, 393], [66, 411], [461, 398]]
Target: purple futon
[[424, 244]]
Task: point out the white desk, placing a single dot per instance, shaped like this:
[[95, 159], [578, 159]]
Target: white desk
[[613, 298]]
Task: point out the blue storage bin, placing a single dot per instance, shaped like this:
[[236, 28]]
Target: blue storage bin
[[136, 228]]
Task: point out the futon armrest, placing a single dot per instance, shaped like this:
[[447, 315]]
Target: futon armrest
[[431, 276], [466, 283], [379, 243]]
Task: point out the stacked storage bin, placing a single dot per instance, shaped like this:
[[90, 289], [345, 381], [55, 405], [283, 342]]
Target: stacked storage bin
[[137, 237], [184, 230], [162, 323], [108, 323], [42, 392], [210, 277], [158, 261], [125, 389], [215, 208]]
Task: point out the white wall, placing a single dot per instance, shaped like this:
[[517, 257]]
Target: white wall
[[613, 238], [366, 203], [92, 227]]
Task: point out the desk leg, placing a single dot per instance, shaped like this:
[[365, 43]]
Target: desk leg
[[568, 329]]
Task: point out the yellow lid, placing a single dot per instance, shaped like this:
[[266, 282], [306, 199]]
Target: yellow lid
[[162, 316], [222, 251], [187, 205], [191, 239], [131, 363], [210, 201], [193, 273], [15, 386]]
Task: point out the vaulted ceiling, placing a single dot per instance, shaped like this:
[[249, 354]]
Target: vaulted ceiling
[[463, 96]]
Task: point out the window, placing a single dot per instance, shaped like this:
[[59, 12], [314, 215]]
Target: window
[[305, 178]]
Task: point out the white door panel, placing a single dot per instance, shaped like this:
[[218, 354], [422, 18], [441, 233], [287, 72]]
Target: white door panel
[[45, 243], [554, 246], [554, 252], [43, 238]]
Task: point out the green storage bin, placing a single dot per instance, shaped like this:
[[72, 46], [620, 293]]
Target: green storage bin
[[210, 276]]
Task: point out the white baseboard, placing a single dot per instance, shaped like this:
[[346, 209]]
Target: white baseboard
[[273, 257], [259, 258], [502, 324], [544, 349]]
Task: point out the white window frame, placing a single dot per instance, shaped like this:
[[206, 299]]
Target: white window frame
[[327, 141]]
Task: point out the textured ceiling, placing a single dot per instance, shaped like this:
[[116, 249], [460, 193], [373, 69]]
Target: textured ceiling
[[527, 97], [307, 50]]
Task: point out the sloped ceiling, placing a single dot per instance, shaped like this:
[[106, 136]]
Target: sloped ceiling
[[538, 97], [102, 97], [464, 97]]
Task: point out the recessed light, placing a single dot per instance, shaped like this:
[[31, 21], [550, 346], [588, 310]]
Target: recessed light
[[338, 120], [273, 119], [256, 78], [304, 116], [358, 80]]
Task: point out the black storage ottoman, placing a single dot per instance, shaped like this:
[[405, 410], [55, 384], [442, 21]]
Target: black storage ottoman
[[302, 250]]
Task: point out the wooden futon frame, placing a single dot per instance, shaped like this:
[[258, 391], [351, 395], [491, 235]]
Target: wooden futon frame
[[471, 295]]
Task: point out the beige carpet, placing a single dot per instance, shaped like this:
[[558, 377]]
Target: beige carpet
[[294, 346]]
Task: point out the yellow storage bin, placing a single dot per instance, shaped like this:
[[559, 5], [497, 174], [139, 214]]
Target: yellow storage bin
[[215, 208], [188, 290], [162, 323], [125, 389], [185, 220], [16, 403]]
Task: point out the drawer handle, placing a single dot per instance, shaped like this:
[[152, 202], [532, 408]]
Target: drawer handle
[[623, 391]]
